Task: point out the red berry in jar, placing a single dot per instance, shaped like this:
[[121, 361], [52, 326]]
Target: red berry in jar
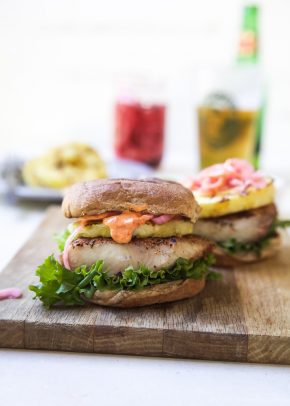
[[139, 132]]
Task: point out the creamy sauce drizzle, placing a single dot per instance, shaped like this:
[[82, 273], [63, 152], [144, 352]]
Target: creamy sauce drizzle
[[86, 219], [123, 225]]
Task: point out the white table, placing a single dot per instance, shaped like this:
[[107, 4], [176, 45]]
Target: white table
[[50, 379]]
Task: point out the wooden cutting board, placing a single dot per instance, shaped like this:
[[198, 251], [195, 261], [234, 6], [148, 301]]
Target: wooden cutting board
[[243, 317]]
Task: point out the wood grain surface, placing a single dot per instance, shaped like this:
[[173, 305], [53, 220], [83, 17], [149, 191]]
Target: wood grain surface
[[243, 317]]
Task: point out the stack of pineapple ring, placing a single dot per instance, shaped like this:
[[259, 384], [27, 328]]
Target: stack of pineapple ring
[[64, 165]]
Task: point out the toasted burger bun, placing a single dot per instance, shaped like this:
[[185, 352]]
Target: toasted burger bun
[[153, 196], [161, 293], [224, 259]]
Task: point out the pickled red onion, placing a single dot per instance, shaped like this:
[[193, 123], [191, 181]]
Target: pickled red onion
[[162, 219], [10, 293], [65, 258], [236, 175]]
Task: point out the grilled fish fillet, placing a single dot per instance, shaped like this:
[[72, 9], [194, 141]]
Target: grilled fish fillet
[[155, 253], [246, 226]]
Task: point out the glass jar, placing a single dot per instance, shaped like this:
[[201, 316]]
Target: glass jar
[[140, 121], [228, 113]]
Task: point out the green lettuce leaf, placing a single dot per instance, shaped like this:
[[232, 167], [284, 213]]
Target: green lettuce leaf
[[58, 285], [281, 224], [61, 238], [232, 246]]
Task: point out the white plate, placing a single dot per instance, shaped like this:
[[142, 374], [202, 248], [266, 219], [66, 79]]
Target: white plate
[[14, 189]]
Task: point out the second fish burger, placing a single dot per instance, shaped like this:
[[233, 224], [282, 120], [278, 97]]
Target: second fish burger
[[238, 212]]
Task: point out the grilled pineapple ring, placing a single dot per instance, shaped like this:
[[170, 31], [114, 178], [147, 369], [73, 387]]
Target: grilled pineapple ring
[[227, 203], [176, 228], [64, 165]]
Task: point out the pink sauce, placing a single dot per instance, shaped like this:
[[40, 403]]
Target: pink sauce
[[10, 293], [123, 225]]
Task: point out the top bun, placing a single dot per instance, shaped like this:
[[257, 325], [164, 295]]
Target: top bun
[[153, 196]]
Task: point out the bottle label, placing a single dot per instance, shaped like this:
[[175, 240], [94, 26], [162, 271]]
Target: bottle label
[[248, 44]]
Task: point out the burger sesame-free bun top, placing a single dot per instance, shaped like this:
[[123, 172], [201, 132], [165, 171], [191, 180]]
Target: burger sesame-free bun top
[[153, 196]]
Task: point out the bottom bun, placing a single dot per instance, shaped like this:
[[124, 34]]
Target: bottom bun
[[224, 259], [161, 293]]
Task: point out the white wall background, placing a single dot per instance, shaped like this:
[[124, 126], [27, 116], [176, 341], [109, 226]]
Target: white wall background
[[59, 61]]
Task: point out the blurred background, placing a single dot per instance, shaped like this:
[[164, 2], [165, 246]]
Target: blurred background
[[63, 64], [176, 84]]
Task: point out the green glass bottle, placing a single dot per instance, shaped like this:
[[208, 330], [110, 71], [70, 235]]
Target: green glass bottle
[[248, 56], [249, 46]]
